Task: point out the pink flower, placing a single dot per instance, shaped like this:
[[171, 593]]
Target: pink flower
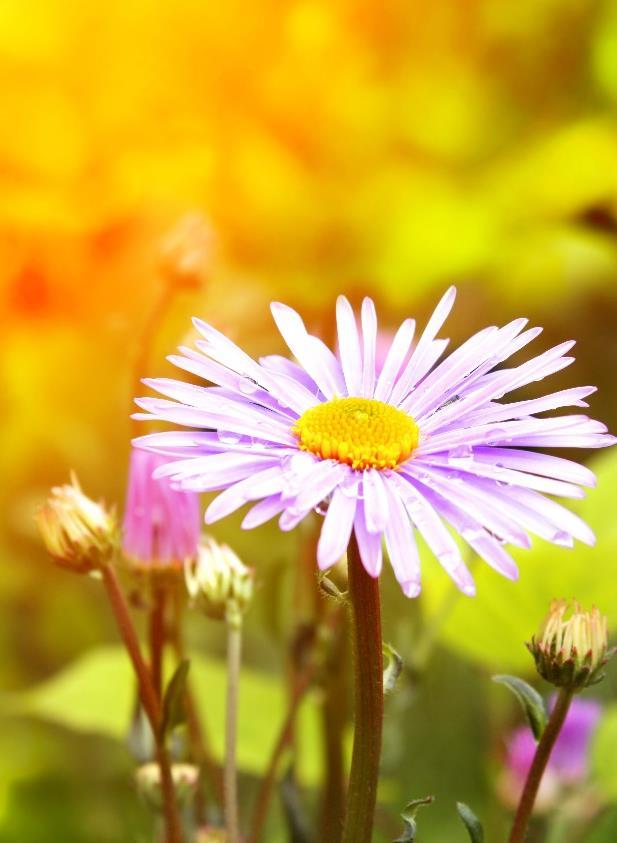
[[161, 524], [568, 763]]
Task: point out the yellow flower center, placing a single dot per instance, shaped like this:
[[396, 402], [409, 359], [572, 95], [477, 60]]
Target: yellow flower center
[[361, 432]]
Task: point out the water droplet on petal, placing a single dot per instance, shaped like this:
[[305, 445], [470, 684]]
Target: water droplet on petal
[[321, 508], [497, 433], [228, 437], [350, 489], [461, 455], [248, 386], [562, 538], [472, 533], [412, 588]]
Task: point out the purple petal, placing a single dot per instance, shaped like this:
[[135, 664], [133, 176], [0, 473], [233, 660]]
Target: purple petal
[[311, 353], [349, 346], [369, 544], [375, 501], [439, 540], [401, 546], [263, 511], [336, 529], [369, 340], [394, 360]]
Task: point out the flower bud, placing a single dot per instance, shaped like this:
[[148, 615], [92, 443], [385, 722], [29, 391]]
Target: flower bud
[[211, 835], [186, 251], [219, 583], [148, 779], [79, 533], [571, 647]]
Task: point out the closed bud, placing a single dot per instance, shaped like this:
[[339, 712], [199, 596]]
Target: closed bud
[[79, 533], [571, 647], [211, 835], [219, 583], [148, 779]]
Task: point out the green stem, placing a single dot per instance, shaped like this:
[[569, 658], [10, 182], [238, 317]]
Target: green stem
[[234, 652], [149, 700], [201, 753], [368, 700], [283, 741], [543, 753]]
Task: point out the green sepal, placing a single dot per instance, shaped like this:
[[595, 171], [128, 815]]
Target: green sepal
[[174, 713], [471, 823], [530, 699], [393, 668], [409, 819]]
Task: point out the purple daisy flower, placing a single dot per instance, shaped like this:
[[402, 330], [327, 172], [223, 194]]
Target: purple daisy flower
[[423, 446], [161, 524], [569, 761]]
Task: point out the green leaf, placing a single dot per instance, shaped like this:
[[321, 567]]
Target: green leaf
[[471, 823], [174, 711], [96, 693], [409, 819], [393, 668], [492, 627], [530, 699], [604, 752]]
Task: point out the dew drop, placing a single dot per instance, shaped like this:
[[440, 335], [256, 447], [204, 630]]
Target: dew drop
[[412, 588], [248, 386], [228, 437], [321, 508], [472, 533], [351, 488], [461, 455], [562, 539]]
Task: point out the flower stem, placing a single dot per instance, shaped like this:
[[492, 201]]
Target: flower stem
[[156, 634], [534, 777], [267, 785], [199, 744], [234, 651], [149, 700], [365, 623]]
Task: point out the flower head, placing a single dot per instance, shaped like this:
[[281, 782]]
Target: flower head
[[571, 647], [218, 582], [79, 533], [568, 763], [161, 524], [186, 251], [418, 445], [148, 780]]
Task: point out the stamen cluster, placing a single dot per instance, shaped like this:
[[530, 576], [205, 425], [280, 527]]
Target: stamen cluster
[[361, 432]]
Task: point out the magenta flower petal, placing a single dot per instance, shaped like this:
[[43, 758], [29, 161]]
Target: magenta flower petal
[[161, 524]]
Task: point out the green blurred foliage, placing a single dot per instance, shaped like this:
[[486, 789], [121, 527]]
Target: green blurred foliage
[[358, 147]]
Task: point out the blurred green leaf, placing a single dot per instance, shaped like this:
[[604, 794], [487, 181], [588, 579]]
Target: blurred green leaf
[[530, 699], [492, 627], [96, 693], [471, 823], [409, 819], [174, 713], [604, 753]]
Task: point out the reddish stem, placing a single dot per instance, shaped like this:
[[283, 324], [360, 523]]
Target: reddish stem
[[368, 699]]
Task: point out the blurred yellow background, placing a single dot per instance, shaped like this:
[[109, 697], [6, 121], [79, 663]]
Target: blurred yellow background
[[355, 147]]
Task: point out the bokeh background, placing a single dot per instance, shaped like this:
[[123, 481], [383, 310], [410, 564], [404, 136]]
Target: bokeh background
[[348, 146]]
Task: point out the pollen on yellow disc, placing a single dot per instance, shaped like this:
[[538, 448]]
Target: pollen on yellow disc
[[361, 432]]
